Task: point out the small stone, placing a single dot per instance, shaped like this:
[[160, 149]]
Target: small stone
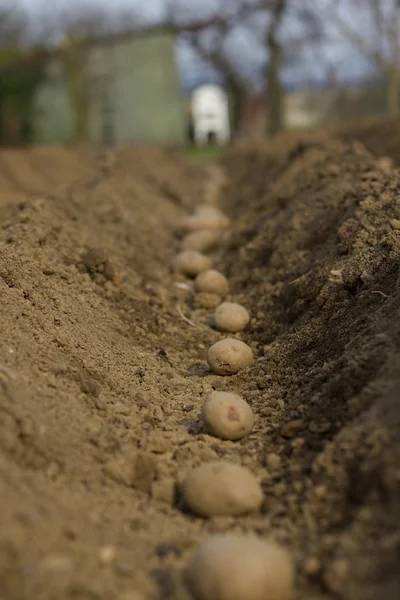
[[111, 273], [298, 442], [273, 462], [395, 223], [107, 554], [335, 575], [320, 491], [321, 427], [291, 428], [312, 566]]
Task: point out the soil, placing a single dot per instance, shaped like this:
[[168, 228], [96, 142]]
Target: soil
[[380, 136], [103, 368]]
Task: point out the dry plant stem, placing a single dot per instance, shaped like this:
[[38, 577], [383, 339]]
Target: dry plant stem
[[188, 321]]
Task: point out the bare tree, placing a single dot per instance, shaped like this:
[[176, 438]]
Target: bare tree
[[208, 33], [372, 27], [12, 27], [275, 113], [265, 23]]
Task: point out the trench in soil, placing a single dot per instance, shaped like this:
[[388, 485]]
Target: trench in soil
[[102, 379]]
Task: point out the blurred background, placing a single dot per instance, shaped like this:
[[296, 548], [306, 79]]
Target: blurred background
[[193, 72]]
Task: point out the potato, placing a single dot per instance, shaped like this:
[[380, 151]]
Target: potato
[[240, 567], [227, 415], [229, 356], [191, 263], [212, 282], [230, 316], [208, 210], [203, 240], [205, 221], [222, 488], [206, 300]]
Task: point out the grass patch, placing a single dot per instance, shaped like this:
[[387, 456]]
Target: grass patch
[[204, 153]]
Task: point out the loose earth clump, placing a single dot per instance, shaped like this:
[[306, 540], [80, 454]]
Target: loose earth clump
[[227, 416]]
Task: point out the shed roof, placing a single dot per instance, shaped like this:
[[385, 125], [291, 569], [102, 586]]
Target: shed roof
[[35, 57]]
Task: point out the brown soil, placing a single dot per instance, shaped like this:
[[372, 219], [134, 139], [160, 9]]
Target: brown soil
[[380, 136], [102, 380]]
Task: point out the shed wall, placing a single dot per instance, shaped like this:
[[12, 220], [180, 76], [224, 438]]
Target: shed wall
[[134, 94]]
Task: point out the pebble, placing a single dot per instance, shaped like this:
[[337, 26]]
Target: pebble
[[290, 429], [273, 462]]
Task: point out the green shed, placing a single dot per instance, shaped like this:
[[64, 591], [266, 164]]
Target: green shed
[[131, 88]]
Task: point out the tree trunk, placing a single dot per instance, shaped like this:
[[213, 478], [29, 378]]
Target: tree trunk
[[393, 92], [11, 126], [74, 61], [275, 92], [238, 96]]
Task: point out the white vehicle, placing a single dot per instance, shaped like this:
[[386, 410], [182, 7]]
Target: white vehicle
[[210, 112]]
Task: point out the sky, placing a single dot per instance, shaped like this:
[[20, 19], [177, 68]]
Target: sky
[[248, 54]]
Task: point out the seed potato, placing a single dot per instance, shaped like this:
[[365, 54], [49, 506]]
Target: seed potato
[[228, 357], [206, 300], [227, 415], [201, 221], [240, 567], [222, 488], [230, 316], [203, 240], [212, 282], [208, 210], [191, 263]]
